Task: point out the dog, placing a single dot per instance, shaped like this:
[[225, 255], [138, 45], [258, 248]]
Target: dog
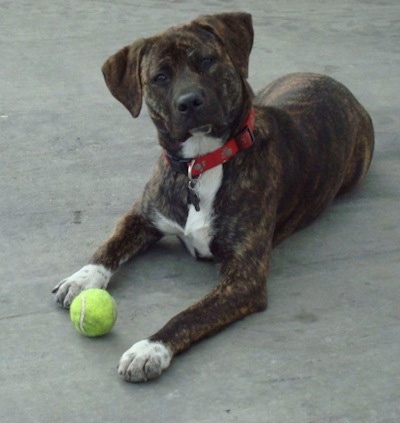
[[238, 172]]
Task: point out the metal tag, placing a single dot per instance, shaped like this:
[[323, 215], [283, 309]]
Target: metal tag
[[192, 196]]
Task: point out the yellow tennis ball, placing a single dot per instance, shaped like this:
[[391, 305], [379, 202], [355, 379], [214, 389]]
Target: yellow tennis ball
[[93, 312]]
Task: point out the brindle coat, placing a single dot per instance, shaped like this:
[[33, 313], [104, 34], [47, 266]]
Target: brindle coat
[[313, 141]]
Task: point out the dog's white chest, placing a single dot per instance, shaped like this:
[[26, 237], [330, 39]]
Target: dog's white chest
[[197, 232]]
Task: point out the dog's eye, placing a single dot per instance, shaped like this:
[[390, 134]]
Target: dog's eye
[[160, 77], [206, 63]]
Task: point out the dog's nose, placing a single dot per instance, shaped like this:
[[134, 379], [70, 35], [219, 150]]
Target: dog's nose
[[190, 103]]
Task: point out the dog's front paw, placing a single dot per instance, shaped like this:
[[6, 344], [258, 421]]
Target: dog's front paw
[[90, 276], [144, 360]]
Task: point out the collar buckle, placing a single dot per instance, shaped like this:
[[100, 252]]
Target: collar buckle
[[245, 138]]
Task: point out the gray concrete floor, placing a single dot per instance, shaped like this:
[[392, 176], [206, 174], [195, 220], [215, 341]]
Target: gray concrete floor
[[73, 160]]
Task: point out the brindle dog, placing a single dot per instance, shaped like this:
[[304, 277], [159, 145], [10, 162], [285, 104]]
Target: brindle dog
[[239, 172]]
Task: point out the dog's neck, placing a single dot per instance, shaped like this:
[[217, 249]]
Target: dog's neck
[[201, 152]]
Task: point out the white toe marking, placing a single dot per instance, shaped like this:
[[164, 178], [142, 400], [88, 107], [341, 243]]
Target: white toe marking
[[144, 360], [90, 276]]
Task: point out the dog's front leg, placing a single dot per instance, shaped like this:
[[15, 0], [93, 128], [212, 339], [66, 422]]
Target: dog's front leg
[[241, 291], [133, 233]]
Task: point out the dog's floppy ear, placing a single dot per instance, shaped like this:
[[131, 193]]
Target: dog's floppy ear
[[122, 74], [235, 31]]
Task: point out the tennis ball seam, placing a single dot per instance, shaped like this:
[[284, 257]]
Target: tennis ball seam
[[82, 314]]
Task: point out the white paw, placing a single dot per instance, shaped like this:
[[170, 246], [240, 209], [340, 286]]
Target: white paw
[[90, 276], [144, 360]]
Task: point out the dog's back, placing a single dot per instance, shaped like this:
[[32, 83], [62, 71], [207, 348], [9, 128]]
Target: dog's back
[[316, 111], [318, 104]]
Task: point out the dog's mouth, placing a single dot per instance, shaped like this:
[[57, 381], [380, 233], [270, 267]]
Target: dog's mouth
[[172, 138], [201, 130]]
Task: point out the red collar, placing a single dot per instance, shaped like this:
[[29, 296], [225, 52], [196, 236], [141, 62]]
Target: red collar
[[194, 167]]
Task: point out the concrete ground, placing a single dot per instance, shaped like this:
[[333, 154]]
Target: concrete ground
[[73, 160]]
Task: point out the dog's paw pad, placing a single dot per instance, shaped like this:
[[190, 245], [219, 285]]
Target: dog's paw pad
[[90, 276], [144, 360]]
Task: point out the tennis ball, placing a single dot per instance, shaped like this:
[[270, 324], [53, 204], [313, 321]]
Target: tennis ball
[[93, 312]]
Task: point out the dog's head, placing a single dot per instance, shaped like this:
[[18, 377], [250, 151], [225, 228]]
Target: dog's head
[[192, 77]]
